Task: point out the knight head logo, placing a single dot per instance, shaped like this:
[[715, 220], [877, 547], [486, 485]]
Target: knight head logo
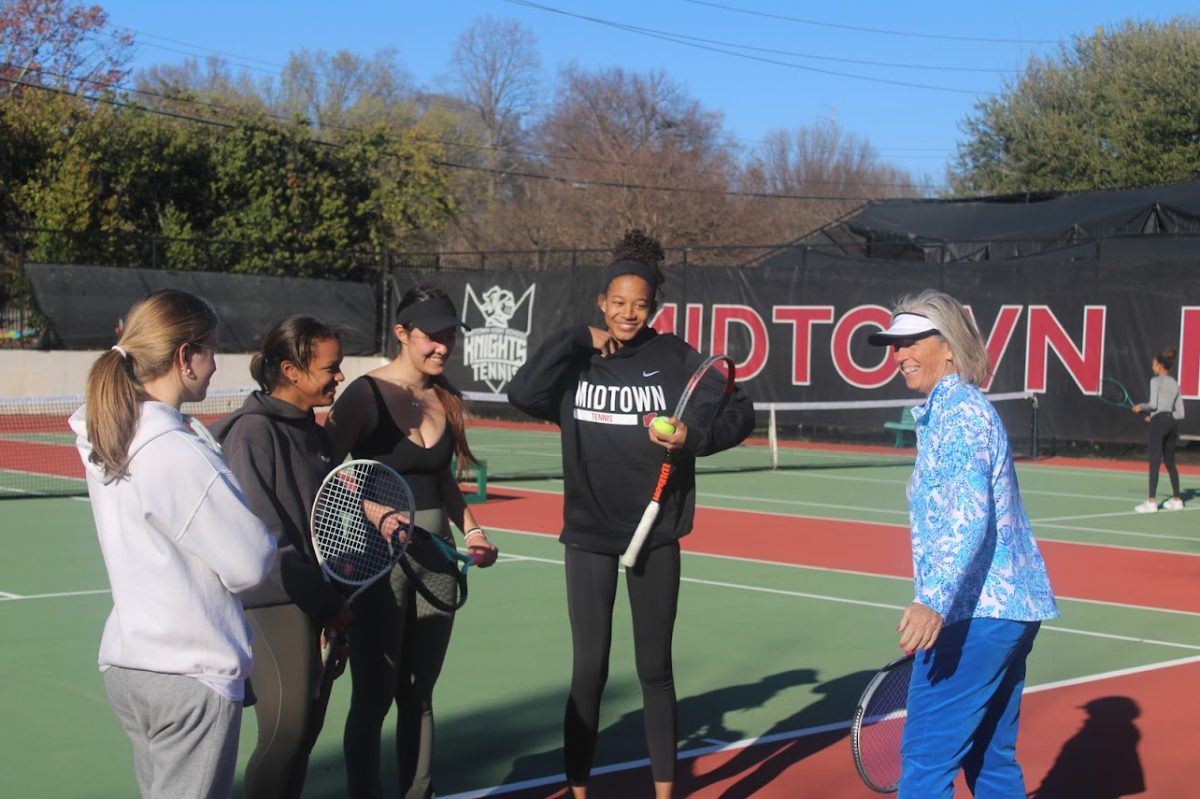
[[498, 306], [497, 345]]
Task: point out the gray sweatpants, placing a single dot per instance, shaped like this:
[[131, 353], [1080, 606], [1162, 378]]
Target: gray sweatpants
[[184, 734]]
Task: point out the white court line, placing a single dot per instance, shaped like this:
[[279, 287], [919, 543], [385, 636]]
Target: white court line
[[1122, 547], [745, 743], [6, 595], [802, 503], [883, 481], [1161, 536], [93, 592], [884, 605], [1109, 515], [810, 517]]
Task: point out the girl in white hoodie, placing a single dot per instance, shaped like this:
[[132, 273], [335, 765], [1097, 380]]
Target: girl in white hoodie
[[179, 544]]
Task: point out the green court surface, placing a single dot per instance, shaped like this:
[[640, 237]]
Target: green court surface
[[761, 648]]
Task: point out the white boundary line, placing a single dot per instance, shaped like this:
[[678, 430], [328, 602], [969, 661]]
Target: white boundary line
[[809, 517], [842, 600], [560, 779]]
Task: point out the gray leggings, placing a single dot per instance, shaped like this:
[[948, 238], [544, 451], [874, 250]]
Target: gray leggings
[[184, 734], [398, 642], [286, 669]]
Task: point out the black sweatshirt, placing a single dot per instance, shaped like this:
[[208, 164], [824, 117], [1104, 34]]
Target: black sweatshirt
[[602, 406], [280, 455]]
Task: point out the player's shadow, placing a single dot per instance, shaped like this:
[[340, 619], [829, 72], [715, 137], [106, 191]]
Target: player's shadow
[[702, 721], [1101, 760], [755, 767]]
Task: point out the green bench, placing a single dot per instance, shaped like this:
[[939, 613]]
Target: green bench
[[902, 427]]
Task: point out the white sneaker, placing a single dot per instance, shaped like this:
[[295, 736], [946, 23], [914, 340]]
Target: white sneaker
[[1173, 504], [1149, 506]]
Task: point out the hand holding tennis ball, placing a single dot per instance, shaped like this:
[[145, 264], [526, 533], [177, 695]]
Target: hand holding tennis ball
[[663, 425]]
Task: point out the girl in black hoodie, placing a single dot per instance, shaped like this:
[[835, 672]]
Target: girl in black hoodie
[[280, 456], [602, 387]]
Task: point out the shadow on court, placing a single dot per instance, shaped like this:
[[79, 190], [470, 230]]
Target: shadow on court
[[1101, 760], [704, 723], [752, 768]]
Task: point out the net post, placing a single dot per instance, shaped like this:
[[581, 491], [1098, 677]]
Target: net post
[[772, 437], [1033, 429]]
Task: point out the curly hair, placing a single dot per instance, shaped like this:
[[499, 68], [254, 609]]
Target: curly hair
[[1166, 357], [637, 246]]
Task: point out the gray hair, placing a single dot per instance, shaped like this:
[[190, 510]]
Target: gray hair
[[955, 327]]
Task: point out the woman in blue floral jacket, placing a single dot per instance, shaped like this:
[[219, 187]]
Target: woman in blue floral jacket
[[980, 585]]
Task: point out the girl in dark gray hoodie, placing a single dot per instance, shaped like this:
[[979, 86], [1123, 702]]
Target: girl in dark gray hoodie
[[280, 455]]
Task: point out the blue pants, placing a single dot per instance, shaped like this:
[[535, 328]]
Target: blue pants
[[964, 703]]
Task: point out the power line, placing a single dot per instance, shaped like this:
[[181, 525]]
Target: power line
[[676, 39], [571, 181], [739, 46], [222, 53], [859, 29], [216, 107], [882, 151]]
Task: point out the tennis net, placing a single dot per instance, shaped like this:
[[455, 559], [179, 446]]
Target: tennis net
[[38, 456], [788, 435], [37, 449]]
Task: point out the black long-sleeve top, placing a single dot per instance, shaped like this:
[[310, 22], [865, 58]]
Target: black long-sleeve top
[[602, 406]]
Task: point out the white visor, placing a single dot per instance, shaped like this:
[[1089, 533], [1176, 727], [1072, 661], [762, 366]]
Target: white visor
[[904, 325]]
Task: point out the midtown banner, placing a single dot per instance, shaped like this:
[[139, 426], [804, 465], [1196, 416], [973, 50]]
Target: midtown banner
[[1055, 328]]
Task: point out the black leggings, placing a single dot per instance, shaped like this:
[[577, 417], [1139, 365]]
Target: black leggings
[[398, 642], [653, 598], [1161, 443]]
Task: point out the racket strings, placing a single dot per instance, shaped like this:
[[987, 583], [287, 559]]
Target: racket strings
[[881, 728], [346, 530], [1114, 392], [436, 567], [704, 398]]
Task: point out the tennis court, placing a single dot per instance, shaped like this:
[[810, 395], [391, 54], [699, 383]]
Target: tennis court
[[793, 582]]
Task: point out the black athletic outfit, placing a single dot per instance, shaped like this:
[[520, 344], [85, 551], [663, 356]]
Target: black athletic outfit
[[1166, 409], [398, 641], [280, 456], [602, 406]]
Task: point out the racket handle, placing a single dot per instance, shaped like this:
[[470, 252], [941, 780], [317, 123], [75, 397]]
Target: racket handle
[[630, 556]]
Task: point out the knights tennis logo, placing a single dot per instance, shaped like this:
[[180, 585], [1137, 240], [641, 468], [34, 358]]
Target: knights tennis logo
[[496, 349]]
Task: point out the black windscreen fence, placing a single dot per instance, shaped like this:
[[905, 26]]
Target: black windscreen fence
[[85, 303], [798, 332]]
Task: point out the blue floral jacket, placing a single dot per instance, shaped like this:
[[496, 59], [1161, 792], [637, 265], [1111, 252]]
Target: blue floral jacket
[[973, 549]]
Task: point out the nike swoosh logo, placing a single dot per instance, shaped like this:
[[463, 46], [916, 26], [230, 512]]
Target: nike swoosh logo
[[651, 374]]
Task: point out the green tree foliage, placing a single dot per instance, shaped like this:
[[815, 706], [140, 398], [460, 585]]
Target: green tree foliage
[[1118, 108], [107, 182]]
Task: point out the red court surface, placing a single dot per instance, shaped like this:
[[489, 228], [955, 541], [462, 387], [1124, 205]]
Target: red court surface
[[1080, 571], [1136, 738], [1126, 735]]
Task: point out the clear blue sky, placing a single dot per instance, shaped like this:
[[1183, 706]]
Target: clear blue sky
[[912, 126]]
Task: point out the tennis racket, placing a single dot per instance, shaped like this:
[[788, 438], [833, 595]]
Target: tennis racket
[[879, 725], [706, 393], [1114, 393], [202, 432], [437, 570], [361, 522]]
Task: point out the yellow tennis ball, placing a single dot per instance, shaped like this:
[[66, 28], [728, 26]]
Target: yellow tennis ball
[[663, 426]]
